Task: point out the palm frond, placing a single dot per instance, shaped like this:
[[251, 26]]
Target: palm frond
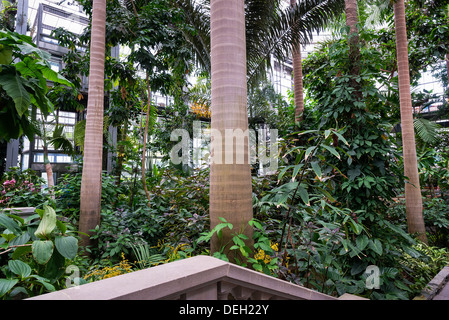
[[426, 130], [144, 258], [60, 141], [197, 15], [291, 28]]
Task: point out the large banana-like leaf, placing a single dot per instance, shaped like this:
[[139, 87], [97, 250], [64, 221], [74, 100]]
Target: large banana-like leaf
[[13, 86]]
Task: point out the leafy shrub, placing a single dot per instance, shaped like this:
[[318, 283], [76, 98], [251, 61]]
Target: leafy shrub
[[121, 228], [262, 260], [99, 273], [68, 194], [426, 267], [21, 189], [34, 253]]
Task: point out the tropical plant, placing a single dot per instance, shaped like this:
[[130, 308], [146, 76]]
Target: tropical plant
[[270, 30], [37, 251], [21, 189], [90, 202], [24, 72], [230, 181], [261, 257], [412, 186]]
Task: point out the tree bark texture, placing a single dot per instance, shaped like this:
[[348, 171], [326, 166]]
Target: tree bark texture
[[351, 13], [230, 181], [90, 208], [413, 199], [298, 90]]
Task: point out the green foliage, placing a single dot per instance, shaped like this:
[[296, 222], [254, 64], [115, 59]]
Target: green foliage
[[326, 245], [423, 270], [21, 189], [24, 72], [238, 247], [34, 253], [121, 229]]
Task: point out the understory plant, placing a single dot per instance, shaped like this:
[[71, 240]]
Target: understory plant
[[35, 253], [325, 243], [260, 257], [21, 189]]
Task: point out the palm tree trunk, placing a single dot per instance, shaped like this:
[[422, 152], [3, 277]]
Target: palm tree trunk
[[413, 199], [297, 78], [230, 181], [90, 208], [351, 16]]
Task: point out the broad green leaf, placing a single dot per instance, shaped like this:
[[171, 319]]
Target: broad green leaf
[[9, 224], [53, 76], [255, 224], [47, 224], [362, 241], [353, 173], [8, 237], [27, 49], [5, 55], [358, 267], [20, 268], [45, 282], [13, 86], [6, 285], [20, 251], [257, 267], [61, 226], [67, 246], [20, 240], [376, 246], [42, 250]]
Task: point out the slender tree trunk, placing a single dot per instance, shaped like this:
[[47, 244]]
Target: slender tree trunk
[[413, 199], [49, 171], [145, 135], [447, 65], [93, 144], [354, 51], [230, 178], [297, 78]]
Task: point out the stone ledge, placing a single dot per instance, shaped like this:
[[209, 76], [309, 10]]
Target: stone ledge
[[435, 285], [200, 277]]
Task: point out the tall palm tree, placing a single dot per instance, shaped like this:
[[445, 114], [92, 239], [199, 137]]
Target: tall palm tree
[[93, 142], [270, 30], [413, 200], [230, 181]]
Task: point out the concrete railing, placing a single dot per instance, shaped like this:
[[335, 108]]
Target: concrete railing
[[197, 278]]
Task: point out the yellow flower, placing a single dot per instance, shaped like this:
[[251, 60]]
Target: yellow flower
[[108, 272]]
